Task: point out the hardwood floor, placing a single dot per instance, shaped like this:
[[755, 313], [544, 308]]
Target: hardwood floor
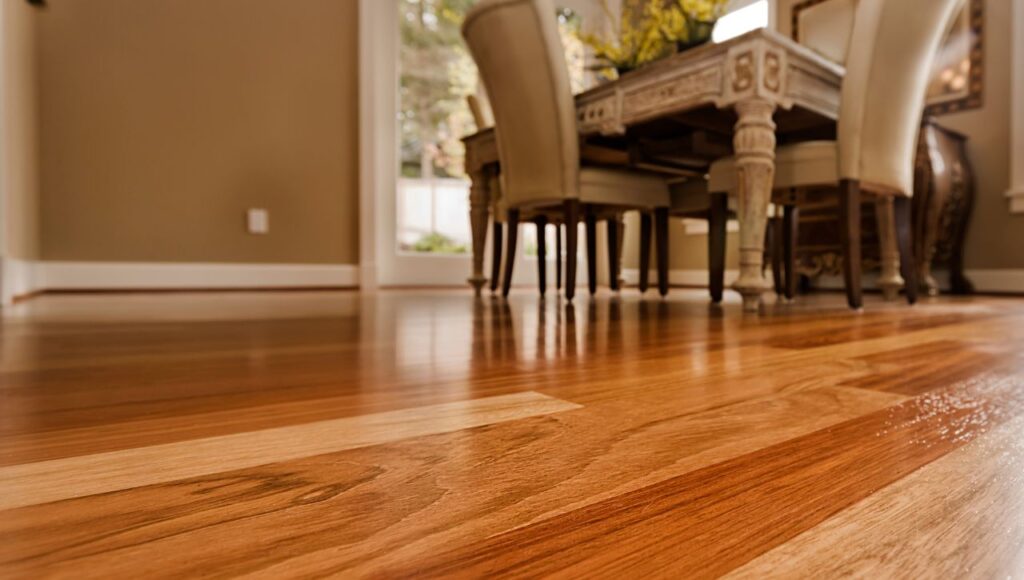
[[428, 433]]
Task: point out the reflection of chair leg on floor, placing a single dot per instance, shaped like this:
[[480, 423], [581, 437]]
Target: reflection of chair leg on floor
[[645, 250], [558, 257], [496, 255], [613, 252], [542, 255]]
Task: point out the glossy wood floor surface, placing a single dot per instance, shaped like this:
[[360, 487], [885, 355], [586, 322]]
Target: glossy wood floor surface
[[426, 433]]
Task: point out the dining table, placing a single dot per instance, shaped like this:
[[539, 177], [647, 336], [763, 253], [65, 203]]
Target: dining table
[[755, 90]]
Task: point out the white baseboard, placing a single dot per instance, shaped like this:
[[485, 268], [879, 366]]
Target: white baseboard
[[21, 277], [998, 281], [1010, 281], [17, 278], [1016, 197]]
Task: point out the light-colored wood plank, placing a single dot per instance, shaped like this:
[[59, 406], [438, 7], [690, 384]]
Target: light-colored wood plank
[[961, 516], [391, 499], [60, 479]]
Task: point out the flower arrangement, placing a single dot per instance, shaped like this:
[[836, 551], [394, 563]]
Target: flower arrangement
[[689, 23], [648, 29], [639, 41]]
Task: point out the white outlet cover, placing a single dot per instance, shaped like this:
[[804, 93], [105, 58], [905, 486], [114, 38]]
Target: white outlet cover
[[258, 220]]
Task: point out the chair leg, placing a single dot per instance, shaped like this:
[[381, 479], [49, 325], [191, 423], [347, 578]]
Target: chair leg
[[773, 251], [496, 256], [558, 257], [661, 239], [904, 237], [645, 250], [572, 220], [849, 225], [591, 220], [613, 253], [542, 253], [510, 251], [790, 229], [718, 216]]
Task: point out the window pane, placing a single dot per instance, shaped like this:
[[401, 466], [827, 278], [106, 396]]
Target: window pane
[[437, 74]]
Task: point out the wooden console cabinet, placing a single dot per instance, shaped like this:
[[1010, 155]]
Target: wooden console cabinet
[[943, 199]]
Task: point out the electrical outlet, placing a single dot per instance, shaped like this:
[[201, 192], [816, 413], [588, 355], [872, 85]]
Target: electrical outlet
[[258, 220]]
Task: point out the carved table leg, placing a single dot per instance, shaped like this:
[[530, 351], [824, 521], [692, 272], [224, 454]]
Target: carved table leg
[[754, 144], [479, 217], [890, 281]]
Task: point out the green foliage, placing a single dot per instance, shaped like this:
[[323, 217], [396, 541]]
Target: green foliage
[[438, 244], [436, 75]]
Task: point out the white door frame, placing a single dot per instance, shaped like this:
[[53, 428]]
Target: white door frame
[[4, 298]]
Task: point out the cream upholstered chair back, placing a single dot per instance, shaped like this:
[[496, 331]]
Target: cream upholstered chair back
[[887, 69], [519, 55], [826, 27]]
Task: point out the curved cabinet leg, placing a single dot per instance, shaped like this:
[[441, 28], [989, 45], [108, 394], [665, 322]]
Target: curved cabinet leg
[[479, 216]]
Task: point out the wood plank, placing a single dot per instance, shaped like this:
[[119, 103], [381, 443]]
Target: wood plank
[[61, 479], [358, 510], [712, 520], [960, 516]]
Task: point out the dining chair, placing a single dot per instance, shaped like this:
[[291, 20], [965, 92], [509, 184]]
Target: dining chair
[[499, 211], [888, 63], [519, 56]]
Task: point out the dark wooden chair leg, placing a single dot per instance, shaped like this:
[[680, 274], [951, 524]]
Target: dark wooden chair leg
[[591, 220], [661, 239], [510, 250], [645, 250], [542, 253], [718, 217], [904, 239], [849, 226], [790, 229], [572, 220], [613, 253], [496, 255], [773, 251], [558, 257]]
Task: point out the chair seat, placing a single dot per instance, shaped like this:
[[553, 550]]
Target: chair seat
[[798, 165], [622, 187]]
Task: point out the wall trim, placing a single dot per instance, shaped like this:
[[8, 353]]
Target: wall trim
[[998, 281], [1016, 193], [20, 278], [1010, 281]]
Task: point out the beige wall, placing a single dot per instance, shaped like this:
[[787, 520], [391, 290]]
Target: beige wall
[[162, 121], [20, 147], [996, 237]]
